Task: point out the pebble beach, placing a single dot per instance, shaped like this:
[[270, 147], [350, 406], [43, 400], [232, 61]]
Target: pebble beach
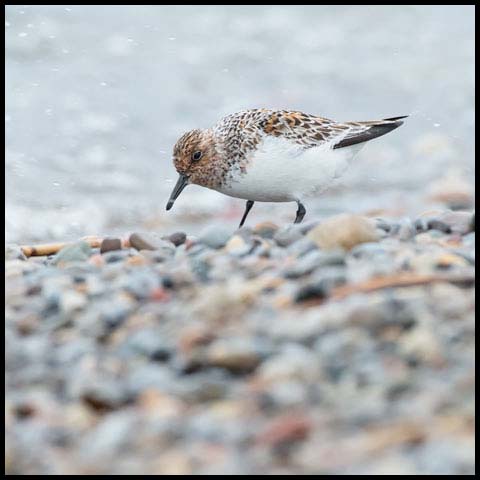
[[334, 347], [140, 341]]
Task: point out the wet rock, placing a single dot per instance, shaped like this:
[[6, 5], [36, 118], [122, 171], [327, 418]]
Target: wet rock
[[110, 244], [76, 252], [214, 236], [343, 231]]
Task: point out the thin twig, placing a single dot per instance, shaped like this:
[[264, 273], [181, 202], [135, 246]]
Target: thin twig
[[52, 248], [399, 280]]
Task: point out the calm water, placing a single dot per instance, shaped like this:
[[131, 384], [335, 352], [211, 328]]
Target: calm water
[[97, 96]]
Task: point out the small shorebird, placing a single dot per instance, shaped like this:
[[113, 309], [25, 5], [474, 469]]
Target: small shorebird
[[271, 155]]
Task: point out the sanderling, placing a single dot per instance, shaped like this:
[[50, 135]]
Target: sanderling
[[271, 155]]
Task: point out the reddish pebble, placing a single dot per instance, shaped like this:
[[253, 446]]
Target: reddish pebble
[[285, 429], [189, 244], [96, 260], [159, 295]]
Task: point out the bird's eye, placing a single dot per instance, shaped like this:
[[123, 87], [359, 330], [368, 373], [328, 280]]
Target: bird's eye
[[196, 156]]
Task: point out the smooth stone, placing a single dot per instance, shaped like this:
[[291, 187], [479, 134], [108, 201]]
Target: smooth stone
[[201, 268], [368, 250], [421, 224], [141, 242], [148, 342], [321, 285], [293, 363], [141, 283], [215, 236], [459, 222], [436, 224], [77, 252], [404, 229], [311, 291], [237, 355], [112, 314], [343, 231], [313, 260], [301, 247], [72, 301], [149, 242], [104, 394], [285, 236], [110, 244], [305, 227], [115, 255], [383, 224], [237, 246], [265, 229], [178, 238], [156, 256]]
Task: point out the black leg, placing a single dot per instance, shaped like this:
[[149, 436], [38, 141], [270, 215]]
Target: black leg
[[300, 213], [247, 209]]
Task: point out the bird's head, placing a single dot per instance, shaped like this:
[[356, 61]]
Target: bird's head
[[193, 155]]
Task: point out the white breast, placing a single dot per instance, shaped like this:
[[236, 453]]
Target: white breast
[[281, 171]]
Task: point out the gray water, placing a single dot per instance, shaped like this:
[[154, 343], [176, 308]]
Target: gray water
[[96, 97]]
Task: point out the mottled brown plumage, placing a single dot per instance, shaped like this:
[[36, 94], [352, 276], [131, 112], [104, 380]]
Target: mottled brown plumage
[[223, 156]]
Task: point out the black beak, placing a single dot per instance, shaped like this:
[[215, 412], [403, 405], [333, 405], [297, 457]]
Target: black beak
[[182, 182]]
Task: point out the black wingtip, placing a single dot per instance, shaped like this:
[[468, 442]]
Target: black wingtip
[[375, 131], [395, 118]]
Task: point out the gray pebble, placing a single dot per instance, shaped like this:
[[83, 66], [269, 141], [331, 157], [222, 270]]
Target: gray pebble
[[215, 236], [76, 252], [285, 236], [178, 238]]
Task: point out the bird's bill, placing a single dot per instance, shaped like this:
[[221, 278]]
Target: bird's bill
[[182, 182]]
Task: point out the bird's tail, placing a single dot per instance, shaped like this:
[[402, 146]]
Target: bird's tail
[[364, 131]]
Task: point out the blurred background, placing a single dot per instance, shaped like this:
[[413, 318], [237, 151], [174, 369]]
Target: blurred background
[[97, 96]]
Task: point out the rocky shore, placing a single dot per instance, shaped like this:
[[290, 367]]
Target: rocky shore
[[341, 346]]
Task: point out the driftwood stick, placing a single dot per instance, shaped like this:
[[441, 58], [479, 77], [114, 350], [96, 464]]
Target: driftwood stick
[[51, 248], [399, 280]]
